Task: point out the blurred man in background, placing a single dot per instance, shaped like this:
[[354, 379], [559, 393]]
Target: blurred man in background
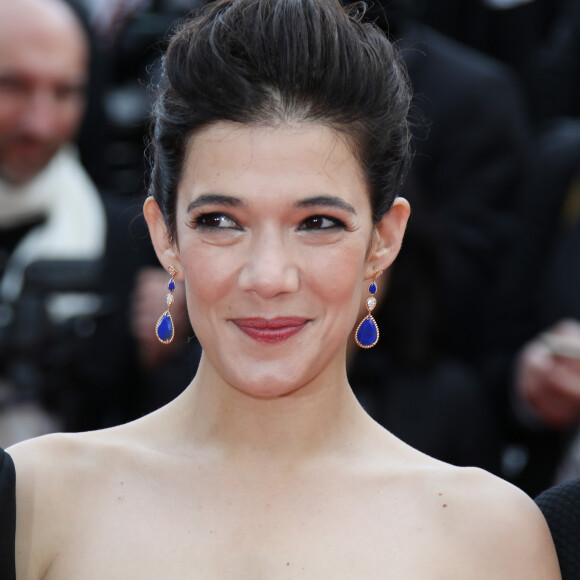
[[67, 265], [49, 208]]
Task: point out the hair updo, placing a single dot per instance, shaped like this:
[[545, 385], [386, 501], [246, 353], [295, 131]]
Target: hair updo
[[266, 62]]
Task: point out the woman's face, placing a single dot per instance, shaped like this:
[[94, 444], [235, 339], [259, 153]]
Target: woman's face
[[274, 240]]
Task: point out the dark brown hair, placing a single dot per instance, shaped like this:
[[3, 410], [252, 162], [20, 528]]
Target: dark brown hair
[[265, 62]]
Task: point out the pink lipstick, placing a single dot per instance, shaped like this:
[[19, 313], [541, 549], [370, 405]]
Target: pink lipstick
[[271, 330]]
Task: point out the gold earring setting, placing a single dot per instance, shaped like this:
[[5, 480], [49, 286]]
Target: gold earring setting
[[367, 332], [164, 329]]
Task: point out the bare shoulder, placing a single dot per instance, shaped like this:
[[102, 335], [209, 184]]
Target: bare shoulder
[[74, 456], [39, 452], [55, 475], [51, 459], [496, 525], [64, 467]]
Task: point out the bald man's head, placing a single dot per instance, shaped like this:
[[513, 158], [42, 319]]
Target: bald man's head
[[43, 73]]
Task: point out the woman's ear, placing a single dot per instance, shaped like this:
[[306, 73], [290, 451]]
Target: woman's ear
[[166, 250], [388, 236]]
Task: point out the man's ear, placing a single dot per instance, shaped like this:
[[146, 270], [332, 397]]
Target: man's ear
[[166, 250], [388, 236]]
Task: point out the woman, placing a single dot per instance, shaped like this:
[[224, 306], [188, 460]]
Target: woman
[[279, 148]]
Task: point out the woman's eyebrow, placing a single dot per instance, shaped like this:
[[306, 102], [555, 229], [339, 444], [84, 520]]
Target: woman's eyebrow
[[215, 199], [228, 200], [326, 201]]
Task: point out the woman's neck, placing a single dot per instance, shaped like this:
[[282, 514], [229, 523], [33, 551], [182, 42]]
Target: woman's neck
[[320, 417]]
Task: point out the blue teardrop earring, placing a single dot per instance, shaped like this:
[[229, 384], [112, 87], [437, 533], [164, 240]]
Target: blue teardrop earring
[[367, 332], [164, 329]]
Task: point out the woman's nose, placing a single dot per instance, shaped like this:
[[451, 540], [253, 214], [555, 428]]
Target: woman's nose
[[270, 267]]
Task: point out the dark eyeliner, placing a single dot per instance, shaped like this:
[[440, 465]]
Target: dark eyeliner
[[199, 221], [337, 223]]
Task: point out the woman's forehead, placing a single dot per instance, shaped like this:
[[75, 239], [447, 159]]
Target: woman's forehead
[[234, 155]]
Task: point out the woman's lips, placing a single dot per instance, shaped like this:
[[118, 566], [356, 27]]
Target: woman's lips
[[270, 330]]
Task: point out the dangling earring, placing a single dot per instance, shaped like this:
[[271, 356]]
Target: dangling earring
[[164, 329], [367, 332]]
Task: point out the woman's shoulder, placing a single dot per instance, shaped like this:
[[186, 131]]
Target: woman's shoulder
[[56, 451], [58, 479], [481, 495], [70, 457], [54, 471], [492, 523], [58, 470], [478, 521], [469, 491], [85, 458]]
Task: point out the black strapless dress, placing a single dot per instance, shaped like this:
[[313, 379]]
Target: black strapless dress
[[7, 517]]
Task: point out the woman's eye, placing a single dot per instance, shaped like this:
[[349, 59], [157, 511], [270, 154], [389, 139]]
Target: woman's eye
[[320, 222], [215, 221]]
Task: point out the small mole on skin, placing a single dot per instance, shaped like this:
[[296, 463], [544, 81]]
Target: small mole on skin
[[444, 505]]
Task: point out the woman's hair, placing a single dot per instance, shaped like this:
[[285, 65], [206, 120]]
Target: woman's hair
[[270, 62]]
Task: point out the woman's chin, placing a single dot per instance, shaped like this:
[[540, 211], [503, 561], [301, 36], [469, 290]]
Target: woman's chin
[[268, 389]]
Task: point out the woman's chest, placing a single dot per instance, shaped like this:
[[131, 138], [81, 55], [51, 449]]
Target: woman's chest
[[306, 535]]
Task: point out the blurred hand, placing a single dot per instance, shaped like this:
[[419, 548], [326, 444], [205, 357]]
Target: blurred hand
[[548, 374], [148, 305]]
